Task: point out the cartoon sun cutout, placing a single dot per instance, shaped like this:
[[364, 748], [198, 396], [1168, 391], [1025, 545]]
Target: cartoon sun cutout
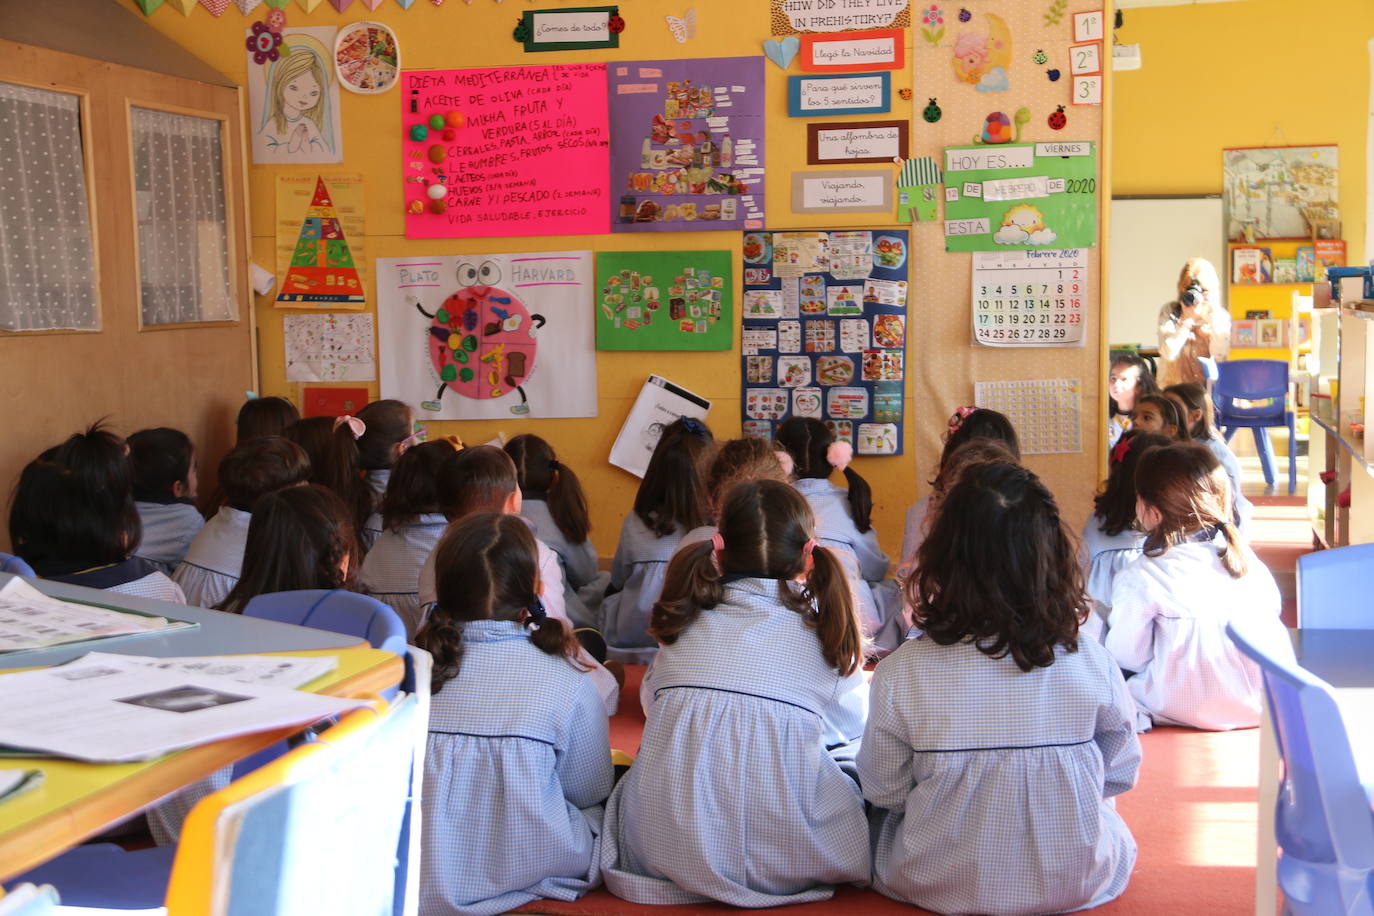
[[1025, 217], [482, 339]]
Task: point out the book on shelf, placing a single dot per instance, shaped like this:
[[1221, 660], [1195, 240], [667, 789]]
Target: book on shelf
[[1243, 333], [1329, 253], [1307, 264], [1285, 270], [1251, 265]]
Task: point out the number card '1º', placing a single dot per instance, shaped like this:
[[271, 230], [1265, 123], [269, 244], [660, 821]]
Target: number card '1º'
[[1030, 298]]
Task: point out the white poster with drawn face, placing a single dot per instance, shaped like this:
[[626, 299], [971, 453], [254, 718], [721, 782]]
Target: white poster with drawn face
[[293, 100], [488, 336]]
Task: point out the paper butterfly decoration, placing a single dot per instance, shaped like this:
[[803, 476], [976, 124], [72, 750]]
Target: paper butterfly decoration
[[685, 27]]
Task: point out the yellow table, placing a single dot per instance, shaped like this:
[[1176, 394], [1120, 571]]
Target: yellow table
[[78, 800]]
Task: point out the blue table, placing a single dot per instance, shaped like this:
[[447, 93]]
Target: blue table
[[1345, 660], [218, 634]]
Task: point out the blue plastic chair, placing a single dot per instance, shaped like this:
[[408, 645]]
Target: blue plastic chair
[[9, 563], [336, 610], [1323, 822], [1257, 380], [1334, 588], [317, 832]]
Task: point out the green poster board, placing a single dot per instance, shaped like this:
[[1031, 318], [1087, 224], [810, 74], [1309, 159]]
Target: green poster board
[[664, 300], [1021, 196]]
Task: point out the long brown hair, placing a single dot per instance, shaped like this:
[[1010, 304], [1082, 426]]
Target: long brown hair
[[297, 539], [413, 489], [333, 451], [542, 476], [1188, 486], [1170, 411], [262, 417], [1114, 505], [672, 494], [388, 425], [477, 479], [766, 527], [971, 452], [999, 569], [1194, 397], [486, 568], [808, 441]]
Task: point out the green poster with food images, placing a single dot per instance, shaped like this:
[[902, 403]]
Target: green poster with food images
[[1021, 196], [664, 300]]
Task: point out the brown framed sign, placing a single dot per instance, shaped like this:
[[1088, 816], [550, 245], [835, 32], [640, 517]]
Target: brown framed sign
[[856, 141]]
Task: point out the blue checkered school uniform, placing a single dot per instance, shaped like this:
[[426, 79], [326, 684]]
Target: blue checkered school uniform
[[214, 560], [876, 598], [738, 793], [579, 562], [517, 768], [1102, 556], [391, 569], [169, 527], [992, 787], [637, 574]]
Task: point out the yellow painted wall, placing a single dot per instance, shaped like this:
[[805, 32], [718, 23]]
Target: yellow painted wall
[[1254, 73], [941, 364]]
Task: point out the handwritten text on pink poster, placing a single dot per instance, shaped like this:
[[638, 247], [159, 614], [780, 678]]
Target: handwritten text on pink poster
[[521, 151]]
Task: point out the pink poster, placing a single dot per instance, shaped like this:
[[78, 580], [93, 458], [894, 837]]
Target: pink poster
[[506, 151]]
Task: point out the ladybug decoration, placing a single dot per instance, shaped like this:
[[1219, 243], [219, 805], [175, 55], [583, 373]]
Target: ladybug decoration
[[482, 339], [615, 24], [905, 94], [521, 33], [1053, 74], [932, 112], [964, 14], [1040, 57], [1058, 119]]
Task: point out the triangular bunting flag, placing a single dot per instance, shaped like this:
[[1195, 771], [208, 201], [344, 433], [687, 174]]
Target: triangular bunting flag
[[277, 4], [247, 6], [322, 268], [216, 7], [372, 4], [183, 7], [147, 6], [405, 4], [309, 5], [340, 5]]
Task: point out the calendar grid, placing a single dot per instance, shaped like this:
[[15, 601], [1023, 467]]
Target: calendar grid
[[1029, 298]]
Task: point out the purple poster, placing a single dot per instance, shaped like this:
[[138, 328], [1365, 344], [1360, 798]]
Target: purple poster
[[686, 144]]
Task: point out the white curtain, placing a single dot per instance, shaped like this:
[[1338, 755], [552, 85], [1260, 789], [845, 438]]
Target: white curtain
[[183, 239], [47, 266]]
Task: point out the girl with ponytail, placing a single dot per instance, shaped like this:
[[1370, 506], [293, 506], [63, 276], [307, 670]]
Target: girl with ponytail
[[1170, 608], [739, 793], [332, 445], [997, 715], [552, 501], [842, 524], [518, 761]]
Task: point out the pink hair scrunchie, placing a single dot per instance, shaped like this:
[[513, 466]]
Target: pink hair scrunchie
[[839, 454], [717, 545], [785, 459], [355, 426]]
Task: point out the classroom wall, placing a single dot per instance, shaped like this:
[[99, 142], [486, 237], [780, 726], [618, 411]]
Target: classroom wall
[[1259, 73], [941, 364]]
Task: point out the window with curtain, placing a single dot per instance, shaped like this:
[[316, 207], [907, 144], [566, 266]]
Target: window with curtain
[[183, 229], [47, 260]]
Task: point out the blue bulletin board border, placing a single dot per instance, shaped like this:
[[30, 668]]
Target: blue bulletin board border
[[794, 91]]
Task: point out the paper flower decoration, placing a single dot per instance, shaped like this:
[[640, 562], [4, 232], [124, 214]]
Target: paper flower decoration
[[264, 43], [933, 24]]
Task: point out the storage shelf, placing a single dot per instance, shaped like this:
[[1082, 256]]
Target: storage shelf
[[1354, 446]]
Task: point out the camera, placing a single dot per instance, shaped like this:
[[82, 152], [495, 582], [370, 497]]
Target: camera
[[1192, 296]]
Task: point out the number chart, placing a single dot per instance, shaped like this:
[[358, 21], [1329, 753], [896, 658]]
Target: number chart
[[1047, 413], [1029, 298]]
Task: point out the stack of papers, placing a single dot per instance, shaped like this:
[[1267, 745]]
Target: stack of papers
[[30, 619], [116, 708]]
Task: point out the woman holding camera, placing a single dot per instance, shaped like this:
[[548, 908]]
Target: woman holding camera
[[1194, 325]]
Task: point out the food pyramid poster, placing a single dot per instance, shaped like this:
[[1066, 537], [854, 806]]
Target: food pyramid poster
[[317, 266]]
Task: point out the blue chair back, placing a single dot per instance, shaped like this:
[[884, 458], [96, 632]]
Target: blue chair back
[[1333, 588], [336, 610], [328, 844], [1323, 822], [9, 563], [1251, 380]]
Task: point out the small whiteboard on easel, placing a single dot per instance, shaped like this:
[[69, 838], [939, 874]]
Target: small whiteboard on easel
[[1151, 238]]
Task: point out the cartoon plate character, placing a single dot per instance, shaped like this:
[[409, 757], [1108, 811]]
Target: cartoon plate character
[[482, 340]]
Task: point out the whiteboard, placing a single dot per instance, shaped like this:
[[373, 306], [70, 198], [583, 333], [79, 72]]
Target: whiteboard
[[1151, 237]]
